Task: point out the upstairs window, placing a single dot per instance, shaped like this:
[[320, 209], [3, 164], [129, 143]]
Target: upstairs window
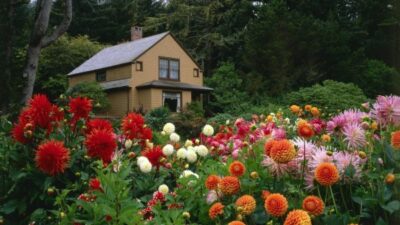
[[101, 76], [169, 69], [139, 66], [196, 72]]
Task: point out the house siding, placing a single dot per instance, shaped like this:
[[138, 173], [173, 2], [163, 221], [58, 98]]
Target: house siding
[[118, 102], [116, 73]]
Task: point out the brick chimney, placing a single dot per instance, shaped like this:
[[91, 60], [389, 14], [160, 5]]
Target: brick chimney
[[136, 33]]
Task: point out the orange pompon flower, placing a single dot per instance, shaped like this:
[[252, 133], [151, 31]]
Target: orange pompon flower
[[326, 174], [246, 204], [313, 205], [236, 222], [295, 109], [229, 185], [216, 210], [304, 129], [276, 205], [265, 194], [237, 169], [395, 140], [268, 145], [315, 112], [297, 217], [212, 182], [52, 157], [282, 151], [307, 107]]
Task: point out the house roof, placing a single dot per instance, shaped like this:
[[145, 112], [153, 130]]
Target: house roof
[[115, 84], [118, 54], [173, 85]]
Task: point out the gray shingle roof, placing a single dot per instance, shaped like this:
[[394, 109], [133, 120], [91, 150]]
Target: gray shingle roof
[[173, 85], [115, 84], [118, 54]]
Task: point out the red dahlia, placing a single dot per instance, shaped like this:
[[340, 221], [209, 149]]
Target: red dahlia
[[95, 184], [101, 144], [133, 127], [154, 155], [52, 157], [99, 124], [80, 107]]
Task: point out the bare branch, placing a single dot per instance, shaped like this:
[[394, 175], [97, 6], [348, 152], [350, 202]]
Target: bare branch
[[62, 27]]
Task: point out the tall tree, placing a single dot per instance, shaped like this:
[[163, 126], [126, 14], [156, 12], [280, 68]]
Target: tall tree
[[40, 38]]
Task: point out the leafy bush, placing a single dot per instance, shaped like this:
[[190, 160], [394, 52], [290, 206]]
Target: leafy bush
[[157, 117], [379, 79], [331, 96], [228, 94], [93, 91], [196, 107], [220, 119]]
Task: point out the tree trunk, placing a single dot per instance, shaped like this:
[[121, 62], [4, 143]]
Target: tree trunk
[[40, 40]]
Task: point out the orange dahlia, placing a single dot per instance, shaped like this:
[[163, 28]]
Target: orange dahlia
[[268, 145], [315, 111], [216, 210], [307, 107], [395, 141], [247, 204], [282, 151], [304, 129], [52, 157], [236, 222], [212, 182], [313, 205], [265, 194], [229, 185], [237, 169], [276, 205], [295, 109], [326, 174], [297, 217]]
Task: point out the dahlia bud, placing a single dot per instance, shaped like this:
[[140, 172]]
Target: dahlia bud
[[197, 141], [28, 134], [239, 209], [186, 166], [239, 216], [326, 138], [77, 174], [390, 178], [50, 191], [374, 126], [329, 153], [131, 155], [254, 175], [168, 165], [62, 214], [362, 154], [163, 133], [128, 144], [186, 215]]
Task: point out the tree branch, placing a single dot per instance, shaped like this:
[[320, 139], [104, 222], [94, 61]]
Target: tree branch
[[62, 27]]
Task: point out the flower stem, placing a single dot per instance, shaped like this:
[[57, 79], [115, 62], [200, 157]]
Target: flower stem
[[333, 199]]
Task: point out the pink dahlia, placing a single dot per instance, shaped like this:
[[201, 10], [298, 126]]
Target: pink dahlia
[[386, 110], [354, 135]]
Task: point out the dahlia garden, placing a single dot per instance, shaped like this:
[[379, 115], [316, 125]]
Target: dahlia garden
[[297, 166]]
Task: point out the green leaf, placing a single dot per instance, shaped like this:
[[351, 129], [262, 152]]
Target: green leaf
[[392, 206]]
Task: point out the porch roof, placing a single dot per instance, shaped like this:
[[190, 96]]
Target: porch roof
[[173, 85]]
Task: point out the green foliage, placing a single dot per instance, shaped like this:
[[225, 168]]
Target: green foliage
[[196, 107], [331, 96], [60, 58], [220, 119], [187, 123], [379, 79], [93, 91], [157, 117], [228, 95]]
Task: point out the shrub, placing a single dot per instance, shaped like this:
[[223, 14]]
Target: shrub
[[93, 91], [331, 96], [157, 117], [220, 118]]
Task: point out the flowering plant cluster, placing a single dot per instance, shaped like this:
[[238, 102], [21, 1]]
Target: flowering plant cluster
[[294, 168]]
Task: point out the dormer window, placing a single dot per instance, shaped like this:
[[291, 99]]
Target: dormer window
[[101, 76], [169, 69], [139, 66]]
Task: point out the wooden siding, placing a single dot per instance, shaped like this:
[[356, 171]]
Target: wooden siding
[[118, 102], [116, 73]]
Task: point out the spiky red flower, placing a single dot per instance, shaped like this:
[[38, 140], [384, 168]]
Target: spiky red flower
[[154, 155], [95, 184], [52, 157], [80, 107], [40, 110], [99, 124], [101, 144], [133, 127]]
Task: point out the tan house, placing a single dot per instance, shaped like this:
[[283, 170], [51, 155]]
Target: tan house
[[144, 74]]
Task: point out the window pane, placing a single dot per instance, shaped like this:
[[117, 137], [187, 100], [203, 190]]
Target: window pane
[[172, 101], [163, 68], [174, 66]]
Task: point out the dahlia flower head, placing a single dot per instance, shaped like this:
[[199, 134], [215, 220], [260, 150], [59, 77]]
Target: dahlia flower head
[[386, 110], [350, 116]]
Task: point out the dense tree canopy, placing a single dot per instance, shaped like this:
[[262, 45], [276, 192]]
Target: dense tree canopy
[[275, 46]]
